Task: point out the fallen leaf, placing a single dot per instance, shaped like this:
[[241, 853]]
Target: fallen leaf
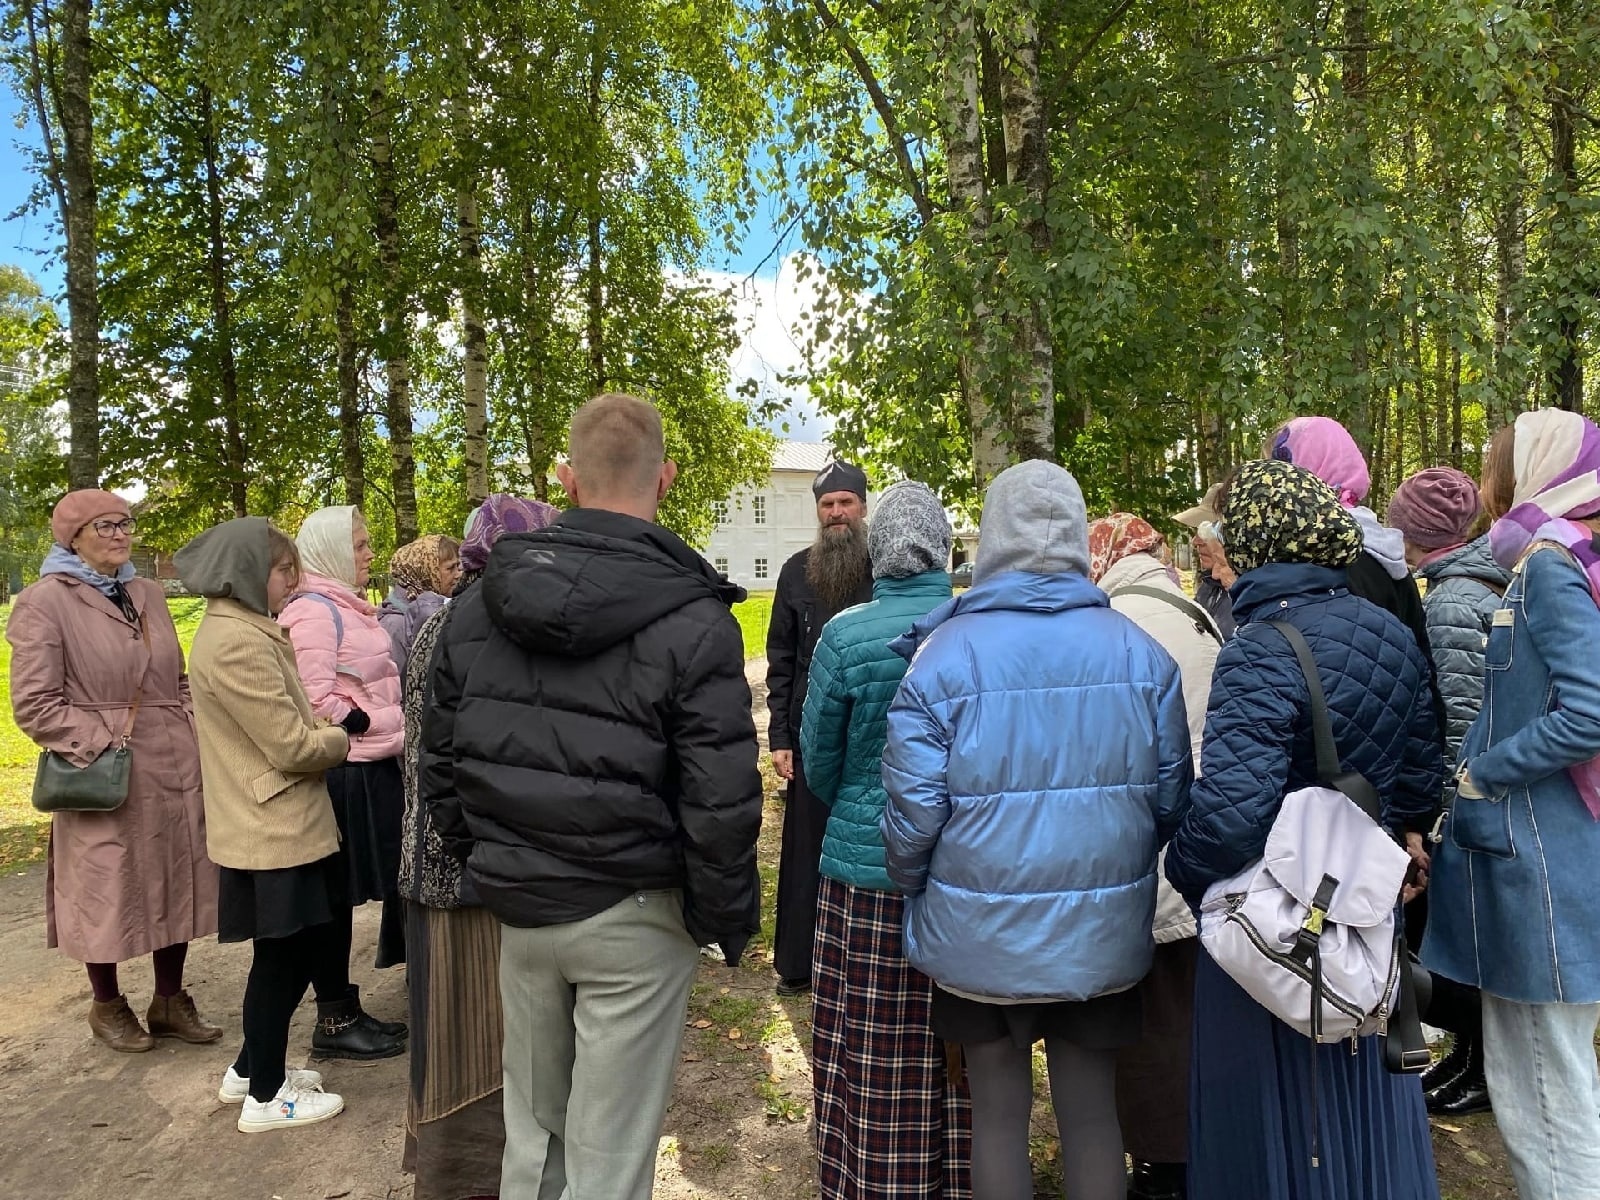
[[774, 1078], [702, 1023], [723, 991], [774, 1168], [1476, 1157], [1448, 1128], [735, 1034]]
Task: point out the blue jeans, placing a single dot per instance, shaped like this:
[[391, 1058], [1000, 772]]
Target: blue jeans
[[1540, 1061]]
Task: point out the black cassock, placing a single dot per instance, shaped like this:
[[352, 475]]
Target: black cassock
[[797, 621]]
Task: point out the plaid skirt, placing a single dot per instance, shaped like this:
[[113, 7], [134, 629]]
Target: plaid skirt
[[889, 1121]]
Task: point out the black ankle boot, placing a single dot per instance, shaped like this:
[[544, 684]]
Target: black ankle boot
[[1468, 1093], [1158, 1181], [341, 1033], [391, 1029], [1448, 1069]]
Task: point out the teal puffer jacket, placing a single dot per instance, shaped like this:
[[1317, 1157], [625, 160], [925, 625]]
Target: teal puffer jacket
[[854, 677]]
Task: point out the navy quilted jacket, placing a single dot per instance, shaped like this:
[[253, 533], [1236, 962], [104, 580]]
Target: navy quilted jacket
[[1258, 743], [854, 676]]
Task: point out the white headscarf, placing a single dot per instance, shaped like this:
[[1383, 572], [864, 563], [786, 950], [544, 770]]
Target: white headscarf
[[327, 542]]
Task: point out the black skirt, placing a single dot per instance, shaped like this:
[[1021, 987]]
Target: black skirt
[[276, 904], [369, 801], [1104, 1023]]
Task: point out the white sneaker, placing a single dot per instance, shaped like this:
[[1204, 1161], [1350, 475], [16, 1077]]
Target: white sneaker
[[292, 1107], [235, 1087]]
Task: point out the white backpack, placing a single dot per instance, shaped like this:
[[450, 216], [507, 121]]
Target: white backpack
[[1309, 929]]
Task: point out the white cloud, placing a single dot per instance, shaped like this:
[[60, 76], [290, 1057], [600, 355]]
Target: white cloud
[[770, 310]]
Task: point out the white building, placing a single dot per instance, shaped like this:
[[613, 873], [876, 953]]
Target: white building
[[761, 526]]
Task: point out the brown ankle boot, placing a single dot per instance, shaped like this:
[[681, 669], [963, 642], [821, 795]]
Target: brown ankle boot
[[176, 1017], [114, 1024]]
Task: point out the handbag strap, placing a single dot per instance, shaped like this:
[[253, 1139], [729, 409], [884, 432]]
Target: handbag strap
[[1202, 620], [138, 692], [1353, 784]]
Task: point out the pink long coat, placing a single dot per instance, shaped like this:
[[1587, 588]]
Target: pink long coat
[[124, 883]]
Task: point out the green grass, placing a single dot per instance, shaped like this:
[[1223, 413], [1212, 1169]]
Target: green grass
[[22, 830], [753, 615]]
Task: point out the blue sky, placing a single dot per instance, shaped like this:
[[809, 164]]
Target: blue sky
[[769, 303]]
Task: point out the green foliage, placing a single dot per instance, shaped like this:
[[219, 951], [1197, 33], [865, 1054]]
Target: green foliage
[[32, 473], [1252, 213]]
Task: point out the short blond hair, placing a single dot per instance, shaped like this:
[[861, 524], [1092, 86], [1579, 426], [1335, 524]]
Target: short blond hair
[[616, 447]]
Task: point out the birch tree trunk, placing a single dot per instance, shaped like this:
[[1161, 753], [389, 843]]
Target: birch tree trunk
[[355, 475], [396, 323], [222, 315], [78, 215], [1565, 252], [1032, 399], [475, 340], [969, 197], [1511, 264]]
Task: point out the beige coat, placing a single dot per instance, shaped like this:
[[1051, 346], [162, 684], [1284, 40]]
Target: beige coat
[[124, 883], [1195, 652], [261, 748]]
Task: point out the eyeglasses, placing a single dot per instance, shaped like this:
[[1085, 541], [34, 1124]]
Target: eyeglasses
[[110, 529]]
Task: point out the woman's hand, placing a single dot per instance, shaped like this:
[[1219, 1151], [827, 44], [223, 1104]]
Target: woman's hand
[[356, 722], [1417, 876]]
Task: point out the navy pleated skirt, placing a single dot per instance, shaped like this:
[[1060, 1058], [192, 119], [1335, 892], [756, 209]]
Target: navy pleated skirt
[[1250, 1110]]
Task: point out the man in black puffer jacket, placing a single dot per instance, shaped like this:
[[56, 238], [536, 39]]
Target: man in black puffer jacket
[[606, 800]]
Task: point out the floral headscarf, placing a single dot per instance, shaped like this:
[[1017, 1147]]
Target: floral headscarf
[[1278, 513], [414, 568], [1113, 538], [502, 513]]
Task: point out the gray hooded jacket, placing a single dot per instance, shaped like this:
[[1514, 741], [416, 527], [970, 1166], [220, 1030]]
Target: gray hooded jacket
[[1464, 589], [229, 561]]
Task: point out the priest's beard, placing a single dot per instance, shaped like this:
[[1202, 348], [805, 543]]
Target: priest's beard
[[838, 566]]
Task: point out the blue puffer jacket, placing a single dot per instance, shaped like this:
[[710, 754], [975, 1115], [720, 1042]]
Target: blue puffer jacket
[[1258, 743], [854, 676], [1038, 758], [1464, 589]]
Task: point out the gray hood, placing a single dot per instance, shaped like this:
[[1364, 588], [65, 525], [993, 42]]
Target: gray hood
[[1386, 545], [229, 561], [1033, 520]]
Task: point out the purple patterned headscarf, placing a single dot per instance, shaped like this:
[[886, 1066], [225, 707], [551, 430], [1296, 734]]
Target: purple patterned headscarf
[[1325, 448], [502, 513], [1556, 474]]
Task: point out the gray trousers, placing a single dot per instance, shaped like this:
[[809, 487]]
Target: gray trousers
[[594, 1014]]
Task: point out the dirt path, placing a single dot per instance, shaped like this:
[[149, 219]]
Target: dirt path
[[83, 1123]]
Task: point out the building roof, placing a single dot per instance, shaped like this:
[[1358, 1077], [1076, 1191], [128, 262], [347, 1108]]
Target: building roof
[[809, 457]]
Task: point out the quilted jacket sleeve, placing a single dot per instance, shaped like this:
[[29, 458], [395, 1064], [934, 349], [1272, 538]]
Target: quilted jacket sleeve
[[719, 802], [1564, 626], [1176, 772], [1257, 694], [916, 761], [1414, 804], [1459, 613], [824, 730]]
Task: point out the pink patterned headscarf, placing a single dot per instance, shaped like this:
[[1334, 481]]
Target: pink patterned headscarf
[[1114, 538], [1325, 448], [502, 513]]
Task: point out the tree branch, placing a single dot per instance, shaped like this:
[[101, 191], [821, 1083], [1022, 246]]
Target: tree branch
[[1087, 48], [885, 110]]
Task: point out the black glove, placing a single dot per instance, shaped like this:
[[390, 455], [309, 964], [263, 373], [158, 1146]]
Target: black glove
[[732, 948], [356, 722]]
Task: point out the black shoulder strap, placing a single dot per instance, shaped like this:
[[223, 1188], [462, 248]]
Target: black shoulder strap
[[1202, 620], [1353, 784]]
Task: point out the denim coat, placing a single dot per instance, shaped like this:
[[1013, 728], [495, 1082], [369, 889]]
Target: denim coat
[[1512, 902]]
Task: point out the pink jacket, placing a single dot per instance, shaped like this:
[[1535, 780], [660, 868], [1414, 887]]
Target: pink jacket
[[353, 671]]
